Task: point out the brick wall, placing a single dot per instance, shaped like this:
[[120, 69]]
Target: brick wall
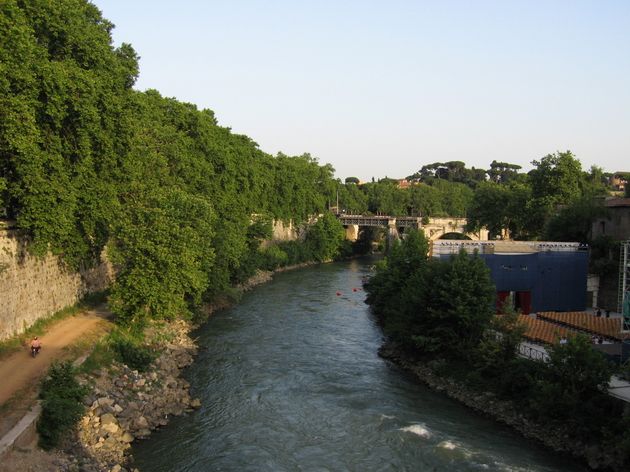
[[33, 288]]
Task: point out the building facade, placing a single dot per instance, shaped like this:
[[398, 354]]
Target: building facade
[[539, 276]]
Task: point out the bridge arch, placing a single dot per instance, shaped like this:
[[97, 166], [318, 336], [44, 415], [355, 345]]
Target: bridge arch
[[434, 228]]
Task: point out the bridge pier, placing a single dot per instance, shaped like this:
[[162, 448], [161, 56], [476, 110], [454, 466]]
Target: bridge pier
[[392, 233], [352, 232]]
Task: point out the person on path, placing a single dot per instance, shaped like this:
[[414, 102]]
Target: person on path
[[36, 344]]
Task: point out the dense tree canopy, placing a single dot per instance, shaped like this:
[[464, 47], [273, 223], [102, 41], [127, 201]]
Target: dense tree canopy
[[86, 161], [430, 306], [63, 121]]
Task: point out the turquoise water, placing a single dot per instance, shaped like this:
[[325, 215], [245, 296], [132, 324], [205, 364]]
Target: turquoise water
[[290, 380]]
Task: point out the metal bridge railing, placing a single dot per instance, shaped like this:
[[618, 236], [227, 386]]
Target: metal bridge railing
[[532, 353]]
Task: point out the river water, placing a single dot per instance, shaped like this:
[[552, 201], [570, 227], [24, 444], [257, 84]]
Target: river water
[[290, 380]]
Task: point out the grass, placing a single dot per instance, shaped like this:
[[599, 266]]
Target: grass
[[100, 356], [17, 342]]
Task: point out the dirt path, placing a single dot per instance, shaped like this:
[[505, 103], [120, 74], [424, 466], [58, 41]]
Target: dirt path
[[19, 381], [20, 373]]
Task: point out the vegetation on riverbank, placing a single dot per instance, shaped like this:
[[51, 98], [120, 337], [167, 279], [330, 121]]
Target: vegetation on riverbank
[[182, 203], [442, 313]]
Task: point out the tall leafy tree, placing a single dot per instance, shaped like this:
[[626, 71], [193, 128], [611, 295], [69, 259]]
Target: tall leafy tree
[[63, 122], [460, 308], [557, 179], [503, 172], [504, 210], [386, 198], [575, 381], [163, 247], [406, 260], [325, 236], [575, 222]]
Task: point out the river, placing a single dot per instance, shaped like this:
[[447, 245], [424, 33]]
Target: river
[[290, 380]]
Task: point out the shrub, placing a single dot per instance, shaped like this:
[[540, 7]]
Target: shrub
[[131, 353], [519, 378], [271, 258], [62, 409]]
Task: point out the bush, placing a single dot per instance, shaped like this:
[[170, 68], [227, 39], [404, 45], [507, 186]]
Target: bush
[[519, 378], [297, 252], [271, 258], [62, 407], [131, 353], [574, 382]]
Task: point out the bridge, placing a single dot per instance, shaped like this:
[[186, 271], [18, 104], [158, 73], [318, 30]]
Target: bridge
[[434, 228]]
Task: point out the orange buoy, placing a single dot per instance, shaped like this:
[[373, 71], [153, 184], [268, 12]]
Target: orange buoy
[[338, 293], [355, 289]]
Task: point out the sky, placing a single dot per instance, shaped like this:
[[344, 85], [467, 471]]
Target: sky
[[381, 88]]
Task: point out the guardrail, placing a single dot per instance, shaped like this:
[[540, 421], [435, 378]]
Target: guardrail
[[532, 353]]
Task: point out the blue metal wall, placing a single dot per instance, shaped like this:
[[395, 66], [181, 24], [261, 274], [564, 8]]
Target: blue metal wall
[[556, 280]]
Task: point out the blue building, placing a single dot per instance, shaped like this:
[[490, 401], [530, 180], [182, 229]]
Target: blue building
[[540, 276]]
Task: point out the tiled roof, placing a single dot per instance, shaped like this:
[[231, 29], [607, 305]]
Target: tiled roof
[[615, 202]]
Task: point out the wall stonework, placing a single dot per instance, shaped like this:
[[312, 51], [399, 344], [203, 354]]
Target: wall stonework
[[32, 288], [287, 232]]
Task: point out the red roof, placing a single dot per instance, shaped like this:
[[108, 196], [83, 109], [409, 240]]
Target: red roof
[[615, 202]]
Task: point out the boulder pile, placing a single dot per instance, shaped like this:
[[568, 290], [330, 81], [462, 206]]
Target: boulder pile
[[125, 405]]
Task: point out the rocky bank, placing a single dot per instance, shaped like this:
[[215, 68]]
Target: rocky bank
[[558, 439], [125, 405]]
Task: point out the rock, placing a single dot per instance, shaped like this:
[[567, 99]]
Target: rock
[[130, 404], [111, 427], [107, 418], [141, 423]]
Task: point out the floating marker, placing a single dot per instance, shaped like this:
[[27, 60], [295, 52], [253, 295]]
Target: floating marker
[[338, 293], [355, 289]]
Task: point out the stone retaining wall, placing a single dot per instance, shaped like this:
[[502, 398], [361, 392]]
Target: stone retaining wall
[[32, 288]]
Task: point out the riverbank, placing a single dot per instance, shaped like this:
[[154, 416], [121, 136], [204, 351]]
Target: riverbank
[[557, 439], [125, 405]]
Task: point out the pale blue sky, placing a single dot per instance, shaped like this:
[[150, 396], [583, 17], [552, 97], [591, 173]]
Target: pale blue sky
[[381, 88]]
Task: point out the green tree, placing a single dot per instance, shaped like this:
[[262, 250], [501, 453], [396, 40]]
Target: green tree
[[325, 237], [489, 209], [63, 123], [398, 287], [456, 197], [557, 179], [574, 385], [163, 248], [351, 198], [575, 222], [62, 406], [460, 308], [386, 198], [503, 172]]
